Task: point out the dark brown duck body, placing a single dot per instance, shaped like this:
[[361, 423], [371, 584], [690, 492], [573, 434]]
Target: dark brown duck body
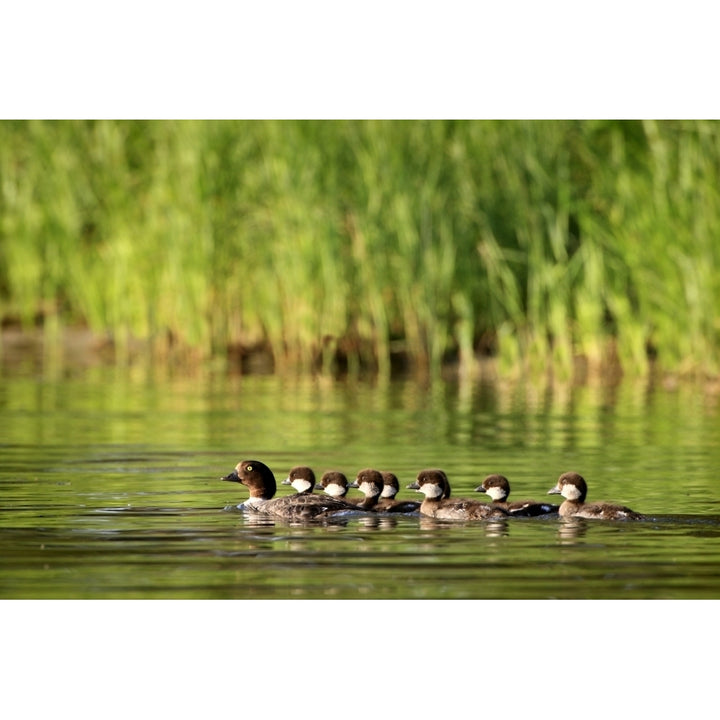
[[497, 488], [307, 507], [434, 484], [573, 488]]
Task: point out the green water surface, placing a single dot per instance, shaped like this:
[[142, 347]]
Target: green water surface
[[109, 488]]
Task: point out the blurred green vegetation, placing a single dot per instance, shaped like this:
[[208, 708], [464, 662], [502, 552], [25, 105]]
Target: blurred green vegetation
[[538, 242]]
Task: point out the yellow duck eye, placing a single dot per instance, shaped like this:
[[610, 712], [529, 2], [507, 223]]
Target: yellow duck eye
[[249, 468]]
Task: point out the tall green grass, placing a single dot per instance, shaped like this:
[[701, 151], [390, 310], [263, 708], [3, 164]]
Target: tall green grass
[[539, 242]]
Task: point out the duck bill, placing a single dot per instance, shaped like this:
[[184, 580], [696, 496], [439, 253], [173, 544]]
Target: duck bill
[[232, 477], [413, 486], [554, 491], [480, 489]]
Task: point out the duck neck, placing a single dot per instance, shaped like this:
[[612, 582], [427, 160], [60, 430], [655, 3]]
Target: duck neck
[[369, 502]]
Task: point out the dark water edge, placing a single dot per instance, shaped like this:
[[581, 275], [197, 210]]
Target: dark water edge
[[67, 351]]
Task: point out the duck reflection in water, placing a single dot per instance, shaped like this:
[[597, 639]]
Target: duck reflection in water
[[570, 529], [496, 527], [378, 521]]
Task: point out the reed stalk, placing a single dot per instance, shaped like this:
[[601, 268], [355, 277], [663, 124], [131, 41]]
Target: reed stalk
[[537, 242]]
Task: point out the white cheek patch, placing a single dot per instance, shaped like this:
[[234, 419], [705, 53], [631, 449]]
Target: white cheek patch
[[335, 490], [570, 492], [431, 490], [300, 485], [388, 491], [495, 493], [368, 489]]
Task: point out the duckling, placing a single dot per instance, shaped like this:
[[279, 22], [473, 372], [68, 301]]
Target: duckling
[[387, 501], [573, 488], [498, 488]]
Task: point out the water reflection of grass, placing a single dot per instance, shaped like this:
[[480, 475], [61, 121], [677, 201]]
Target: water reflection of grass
[[358, 241]]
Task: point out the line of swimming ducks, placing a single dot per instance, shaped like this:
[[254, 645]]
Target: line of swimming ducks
[[380, 488]]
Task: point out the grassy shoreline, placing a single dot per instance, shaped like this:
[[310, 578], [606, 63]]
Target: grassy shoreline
[[347, 246]]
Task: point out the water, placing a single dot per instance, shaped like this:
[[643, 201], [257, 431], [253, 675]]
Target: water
[[110, 488]]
